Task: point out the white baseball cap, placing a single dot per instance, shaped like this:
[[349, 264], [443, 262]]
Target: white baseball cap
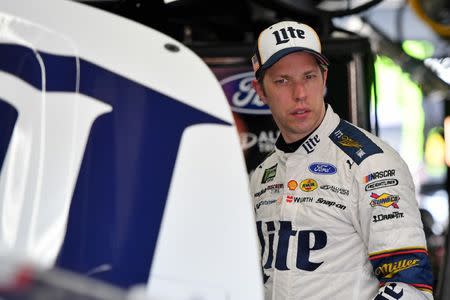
[[283, 38]]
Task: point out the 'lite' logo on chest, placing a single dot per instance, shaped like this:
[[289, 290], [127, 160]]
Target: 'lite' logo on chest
[[285, 34], [310, 144]]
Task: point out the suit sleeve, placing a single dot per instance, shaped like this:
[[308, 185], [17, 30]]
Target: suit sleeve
[[392, 228]]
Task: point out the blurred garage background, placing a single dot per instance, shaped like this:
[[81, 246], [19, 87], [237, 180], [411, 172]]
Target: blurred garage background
[[390, 66]]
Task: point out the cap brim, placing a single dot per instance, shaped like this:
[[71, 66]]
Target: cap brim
[[280, 54]]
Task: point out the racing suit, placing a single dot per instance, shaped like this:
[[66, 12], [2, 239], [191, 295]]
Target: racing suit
[[337, 218]]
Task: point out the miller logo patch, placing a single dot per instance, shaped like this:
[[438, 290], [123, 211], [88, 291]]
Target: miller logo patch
[[347, 141], [388, 270], [353, 142]]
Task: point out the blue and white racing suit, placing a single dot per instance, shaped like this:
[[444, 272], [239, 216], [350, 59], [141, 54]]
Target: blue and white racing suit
[[337, 218]]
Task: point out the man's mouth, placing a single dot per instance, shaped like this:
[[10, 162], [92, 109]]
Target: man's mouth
[[300, 112]]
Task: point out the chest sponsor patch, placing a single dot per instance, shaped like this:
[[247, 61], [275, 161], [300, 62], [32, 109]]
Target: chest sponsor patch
[[383, 217], [322, 168], [269, 174], [310, 144], [353, 142], [385, 200], [308, 185], [292, 185], [335, 189], [380, 184], [273, 189], [266, 202], [379, 175], [293, 199], [331, 203]]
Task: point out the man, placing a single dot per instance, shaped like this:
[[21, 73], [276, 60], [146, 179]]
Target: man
[[335, 206]]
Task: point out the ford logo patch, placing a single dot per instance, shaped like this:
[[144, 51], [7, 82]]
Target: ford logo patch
[[322, 168], [242, 96]]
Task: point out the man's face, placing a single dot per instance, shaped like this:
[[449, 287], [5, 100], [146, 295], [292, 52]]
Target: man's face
[[294, 90]]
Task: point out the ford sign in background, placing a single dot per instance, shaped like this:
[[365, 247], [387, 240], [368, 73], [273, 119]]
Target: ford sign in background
[[116, 162], [257, 130]]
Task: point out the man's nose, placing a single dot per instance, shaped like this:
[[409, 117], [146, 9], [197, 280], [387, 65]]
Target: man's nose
[[299, 91]]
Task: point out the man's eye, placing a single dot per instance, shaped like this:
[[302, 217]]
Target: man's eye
[[310, 76], [280, 81]]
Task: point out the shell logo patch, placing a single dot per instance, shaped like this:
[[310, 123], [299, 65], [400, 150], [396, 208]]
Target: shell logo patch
[[292, 185], [308, 185], [384, 200]]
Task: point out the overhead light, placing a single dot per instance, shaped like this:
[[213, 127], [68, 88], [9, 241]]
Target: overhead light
[[435, 13]]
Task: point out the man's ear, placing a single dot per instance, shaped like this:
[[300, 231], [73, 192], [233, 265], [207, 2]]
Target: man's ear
[[259, 90], [325, 76]]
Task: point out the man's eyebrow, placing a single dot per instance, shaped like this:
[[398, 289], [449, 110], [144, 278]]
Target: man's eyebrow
[[309, 72], [280, 75]]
